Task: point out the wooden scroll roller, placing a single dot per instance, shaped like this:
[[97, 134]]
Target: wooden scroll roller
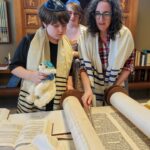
[[113, 89], [76, 93]]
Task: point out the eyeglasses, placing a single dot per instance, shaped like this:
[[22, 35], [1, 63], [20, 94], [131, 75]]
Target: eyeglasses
[[73, 13], [105, 15]]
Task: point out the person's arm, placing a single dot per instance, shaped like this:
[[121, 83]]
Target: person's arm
[[123, 76], [20, 55], [33, 76], [88, 94], [127, 69], [70, 79], [75, 54], [18, 64], [70, 83]]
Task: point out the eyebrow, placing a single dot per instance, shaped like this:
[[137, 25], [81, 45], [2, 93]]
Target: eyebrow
[[103, 11]]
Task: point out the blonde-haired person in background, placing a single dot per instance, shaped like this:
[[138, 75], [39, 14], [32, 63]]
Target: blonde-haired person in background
[[73, 32]]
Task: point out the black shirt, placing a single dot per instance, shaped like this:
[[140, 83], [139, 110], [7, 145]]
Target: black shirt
[[20, 57]]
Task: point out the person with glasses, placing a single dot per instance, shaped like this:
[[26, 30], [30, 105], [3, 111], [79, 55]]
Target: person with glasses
[[49, 43], [74, 29], [106, 50]]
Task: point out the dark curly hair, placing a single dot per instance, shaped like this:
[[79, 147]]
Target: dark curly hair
[[116, 21]]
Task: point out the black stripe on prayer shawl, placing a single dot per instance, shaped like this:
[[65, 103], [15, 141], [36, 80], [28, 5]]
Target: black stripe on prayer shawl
[[23, 96], [23, 107], [25, 102], [61, 90], [28, 105], [113, 76], [99, 73], [61, 86], [112, 81], [98, 78], [113, 70], [57, 77], [89, 68], [109, 81], [59, 94], [99, 83], [90, 75], [57, 99], [95, 77], [56, 103], [85, 61], [24, 91], [19, 110], [82, 65], [99, 97], [98, 94], [62, 82]]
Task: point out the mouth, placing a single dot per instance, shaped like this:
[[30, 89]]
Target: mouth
[[59, 36], [101, 24]]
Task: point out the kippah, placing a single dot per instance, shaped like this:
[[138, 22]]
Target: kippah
[[73, 1], [55, 5]]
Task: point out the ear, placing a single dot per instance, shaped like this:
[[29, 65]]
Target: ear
[[44, 25]]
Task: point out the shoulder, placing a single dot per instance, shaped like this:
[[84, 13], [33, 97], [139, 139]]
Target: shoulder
[[29, 37], [82, 27], [125, 31], [86, 35], [26, 40]]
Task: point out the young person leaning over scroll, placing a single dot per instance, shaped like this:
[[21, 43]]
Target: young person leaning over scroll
[[48, 43], [106, 50]]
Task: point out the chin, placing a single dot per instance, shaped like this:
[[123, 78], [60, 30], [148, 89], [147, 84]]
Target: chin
[[102, 29], [58, 37]]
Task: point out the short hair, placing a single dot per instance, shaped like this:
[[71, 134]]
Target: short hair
[[116, 17], [51, 17], [77, 8]]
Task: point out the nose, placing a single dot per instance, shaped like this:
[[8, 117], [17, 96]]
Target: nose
[[101, 17], [62, 29], [72, 15]]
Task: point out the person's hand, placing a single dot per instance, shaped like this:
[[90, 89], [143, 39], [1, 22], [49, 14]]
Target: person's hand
[[76, 54], [87, 98], [37, 77]]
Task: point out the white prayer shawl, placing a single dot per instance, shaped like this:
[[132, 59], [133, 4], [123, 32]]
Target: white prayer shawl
[[82, 28], [120, 50], [39, 51]]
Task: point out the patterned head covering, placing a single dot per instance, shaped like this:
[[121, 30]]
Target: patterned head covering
[[73, 1], [55, 5]]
